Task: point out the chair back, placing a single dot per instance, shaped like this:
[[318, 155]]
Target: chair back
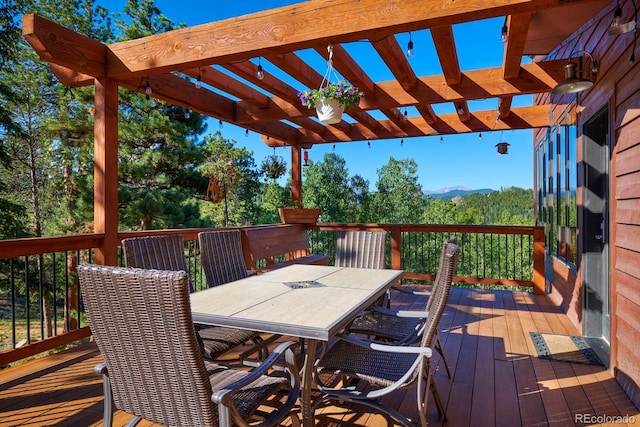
[[222, 257], [141, 321], [156, 253], [440, 292], [361, 249]]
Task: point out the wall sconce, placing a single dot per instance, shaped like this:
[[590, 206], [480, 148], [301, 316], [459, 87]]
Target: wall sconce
[[575, 75], [503, 147]]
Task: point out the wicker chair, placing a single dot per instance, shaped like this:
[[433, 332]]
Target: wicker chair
[[387, 368], [361, 249], [167, 253], [223, 262], [153, 368], [401, 327]]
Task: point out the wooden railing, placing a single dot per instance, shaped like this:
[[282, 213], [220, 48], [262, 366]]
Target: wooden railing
[[44, 269]]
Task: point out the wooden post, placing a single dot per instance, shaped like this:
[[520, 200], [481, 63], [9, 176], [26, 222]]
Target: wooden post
[[296, 176], [538, 261], [105, 172], [396, 247]]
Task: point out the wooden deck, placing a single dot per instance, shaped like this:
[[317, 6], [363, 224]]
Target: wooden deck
[[497, 379]]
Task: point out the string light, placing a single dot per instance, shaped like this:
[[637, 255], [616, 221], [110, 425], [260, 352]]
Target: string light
[[441, 139], [504, 34], [246, 134], [260, 72], [147, 90], [334, 147], [402, 142], [187, 113], [460, 110], [410, 47], [220, 123], [480, 137], [369, 144], [198, 83]]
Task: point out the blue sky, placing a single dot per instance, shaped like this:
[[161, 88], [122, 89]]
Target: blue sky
[[456, 160]]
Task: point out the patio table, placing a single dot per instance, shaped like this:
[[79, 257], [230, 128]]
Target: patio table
[[308, 301]]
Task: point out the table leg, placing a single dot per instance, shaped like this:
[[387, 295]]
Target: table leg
[[307, 380]]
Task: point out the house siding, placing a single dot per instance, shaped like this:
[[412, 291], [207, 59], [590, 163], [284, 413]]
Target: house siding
[[618, 85]]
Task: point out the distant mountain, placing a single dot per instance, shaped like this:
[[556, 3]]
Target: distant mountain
[[449, 193]]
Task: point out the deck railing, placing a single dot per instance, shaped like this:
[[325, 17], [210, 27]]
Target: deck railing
[[51, 316]]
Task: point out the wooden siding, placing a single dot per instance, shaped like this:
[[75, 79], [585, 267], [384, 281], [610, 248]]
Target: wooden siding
[[618, 84], [497, 380]]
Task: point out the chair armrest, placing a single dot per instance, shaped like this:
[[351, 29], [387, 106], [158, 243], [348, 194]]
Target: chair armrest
[[417, 314], [100, 368], [410, 291], [223, 396], [426, 351]]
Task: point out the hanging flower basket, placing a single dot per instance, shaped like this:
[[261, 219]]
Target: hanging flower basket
[[331, 99], [329, 111]]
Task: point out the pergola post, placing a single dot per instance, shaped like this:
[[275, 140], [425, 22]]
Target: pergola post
[[296, 176], [105, 172]]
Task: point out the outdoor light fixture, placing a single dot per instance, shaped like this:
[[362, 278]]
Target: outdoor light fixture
[[147, 90], [260, 73], [575, 75], [198, 83], [504, 34], [410, 47], [617, 27]]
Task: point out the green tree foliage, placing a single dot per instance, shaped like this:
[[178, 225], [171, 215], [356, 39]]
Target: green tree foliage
[[509, 206], [327, 185], [234, 183], [399, 198]]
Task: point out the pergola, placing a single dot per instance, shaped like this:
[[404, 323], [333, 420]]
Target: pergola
[[171, 62]]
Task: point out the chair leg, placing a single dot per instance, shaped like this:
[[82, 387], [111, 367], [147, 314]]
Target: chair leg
[[431, 381], [440, 350]]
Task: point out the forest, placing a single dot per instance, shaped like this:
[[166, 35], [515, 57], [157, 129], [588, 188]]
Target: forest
[[173, 172]]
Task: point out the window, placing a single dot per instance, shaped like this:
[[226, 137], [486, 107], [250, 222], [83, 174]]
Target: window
[[556, 183]]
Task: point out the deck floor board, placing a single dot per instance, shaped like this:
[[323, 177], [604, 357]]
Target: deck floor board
[[497, 378]]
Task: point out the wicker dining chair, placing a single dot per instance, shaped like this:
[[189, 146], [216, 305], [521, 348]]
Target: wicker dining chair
[[153, 368], [223, 262], [361, 249], [402, 327], [167, 253], [387, 368]]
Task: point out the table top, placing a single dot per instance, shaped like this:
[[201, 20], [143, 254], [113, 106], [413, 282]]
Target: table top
[[308, 301]]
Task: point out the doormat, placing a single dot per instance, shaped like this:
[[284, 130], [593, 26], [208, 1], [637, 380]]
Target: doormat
[[566, 348]]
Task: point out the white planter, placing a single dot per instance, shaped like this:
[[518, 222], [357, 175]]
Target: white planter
[[329, 111]]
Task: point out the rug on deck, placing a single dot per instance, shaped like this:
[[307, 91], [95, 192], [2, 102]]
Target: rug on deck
[[566, 348]]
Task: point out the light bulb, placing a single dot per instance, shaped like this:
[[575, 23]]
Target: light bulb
[[504, 34], [198, 83], [147, 89], [410, 49], [460, 110], [260, 73], [617, 17], [187, 114], [220, 123], [480, 137]]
